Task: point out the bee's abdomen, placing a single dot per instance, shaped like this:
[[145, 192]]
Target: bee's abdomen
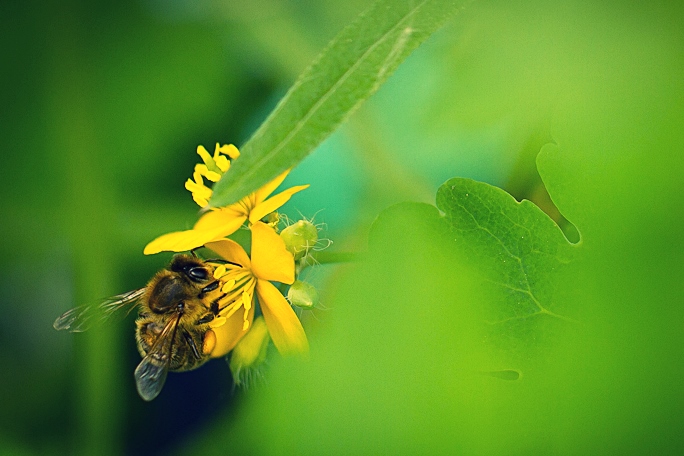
[[182, 355]]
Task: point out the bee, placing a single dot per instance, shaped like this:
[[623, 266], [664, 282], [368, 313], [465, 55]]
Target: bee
[[174, 313]]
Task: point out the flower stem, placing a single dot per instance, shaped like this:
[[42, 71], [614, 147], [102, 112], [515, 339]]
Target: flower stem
[[325, 257]]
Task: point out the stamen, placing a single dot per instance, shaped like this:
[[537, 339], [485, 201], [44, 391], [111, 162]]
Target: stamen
[[240, 288], [201, 202], [202, 152], [219, 272], [228, 286], [213, 176], [231, 309], [246, 300], [222, 162], [237, 276], [201, 170], [230, 150], [230, 297]]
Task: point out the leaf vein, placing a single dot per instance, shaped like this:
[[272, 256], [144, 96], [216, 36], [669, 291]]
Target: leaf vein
[[528, 291], [268, 155]]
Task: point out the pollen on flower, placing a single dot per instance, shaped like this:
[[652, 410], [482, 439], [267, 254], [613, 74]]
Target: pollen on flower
[[246, 277], [212, 169], [228, 286], [229, 150], [246, 300], [203, 170], [238, 286], [219, 272], [200, 192]]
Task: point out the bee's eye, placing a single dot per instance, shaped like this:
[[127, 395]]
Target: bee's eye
[[198, 274]]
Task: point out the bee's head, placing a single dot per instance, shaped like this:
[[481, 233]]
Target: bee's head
[[182, 281], [192, 268]]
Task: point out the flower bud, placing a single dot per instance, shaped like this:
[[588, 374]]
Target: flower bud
[[250, 352], [302, 294], [300, 237], [272, 220]]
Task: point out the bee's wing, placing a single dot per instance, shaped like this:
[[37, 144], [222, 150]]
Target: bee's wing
[[150, 374], [81, 318]]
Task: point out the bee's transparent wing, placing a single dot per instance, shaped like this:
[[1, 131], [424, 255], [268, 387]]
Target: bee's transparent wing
[[82, 318], [150, 374]]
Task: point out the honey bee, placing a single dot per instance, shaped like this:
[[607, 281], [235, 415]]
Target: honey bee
[[172, 329]]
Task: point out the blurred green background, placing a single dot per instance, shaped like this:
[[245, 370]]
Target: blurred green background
[[103, 105]]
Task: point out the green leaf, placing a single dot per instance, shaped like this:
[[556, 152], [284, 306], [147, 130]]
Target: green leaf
[[351, 68], [514, 254], [521, 246]]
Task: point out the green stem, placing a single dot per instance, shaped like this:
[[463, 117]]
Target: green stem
[[325, 257]]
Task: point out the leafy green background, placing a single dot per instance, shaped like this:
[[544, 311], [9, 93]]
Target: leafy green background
[[104, 104]]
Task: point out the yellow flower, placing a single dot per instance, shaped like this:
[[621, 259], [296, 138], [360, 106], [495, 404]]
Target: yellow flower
[[221, 222], [212, 168], [270, 262]]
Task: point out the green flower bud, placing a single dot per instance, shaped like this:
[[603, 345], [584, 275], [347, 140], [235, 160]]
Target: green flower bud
[[300, 237], [250, 352], [302, 294]]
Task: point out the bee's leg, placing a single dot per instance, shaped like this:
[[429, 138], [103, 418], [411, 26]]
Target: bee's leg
[[214, 306], [188, 338], [206, 319]]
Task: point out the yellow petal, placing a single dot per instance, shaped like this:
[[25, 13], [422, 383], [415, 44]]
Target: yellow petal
[[231, 251], [284, 327], [227, 218], [182, 241], [267, 189], [270, 258], [229, 334], [218, 322], [266, 207]]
